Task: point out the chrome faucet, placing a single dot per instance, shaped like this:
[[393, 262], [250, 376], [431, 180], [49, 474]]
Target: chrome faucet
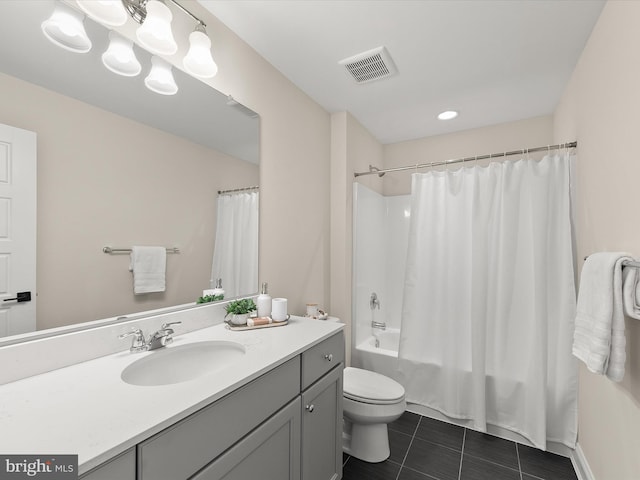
[[162, 337], [139, 344], [159, 339]]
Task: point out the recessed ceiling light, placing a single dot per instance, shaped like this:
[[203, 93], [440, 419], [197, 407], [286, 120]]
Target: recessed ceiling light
[[448, 115]]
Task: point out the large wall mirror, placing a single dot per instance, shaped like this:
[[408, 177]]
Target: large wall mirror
[[118, 166]]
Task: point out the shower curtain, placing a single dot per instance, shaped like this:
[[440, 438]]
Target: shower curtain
[[489, 298], [235, 253]]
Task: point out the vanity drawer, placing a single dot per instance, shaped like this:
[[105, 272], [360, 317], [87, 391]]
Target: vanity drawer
[[321, 358], [181, 450]]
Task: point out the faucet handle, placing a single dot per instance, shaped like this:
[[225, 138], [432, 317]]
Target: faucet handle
[[167, 325], [139, 343]]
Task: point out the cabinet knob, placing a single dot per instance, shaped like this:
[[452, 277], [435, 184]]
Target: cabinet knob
[[328, 357], [309, 408]]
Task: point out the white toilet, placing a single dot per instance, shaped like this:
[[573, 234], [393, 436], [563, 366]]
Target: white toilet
[[371, 401]]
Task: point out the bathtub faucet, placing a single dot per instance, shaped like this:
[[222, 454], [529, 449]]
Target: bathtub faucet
[[374, 302]]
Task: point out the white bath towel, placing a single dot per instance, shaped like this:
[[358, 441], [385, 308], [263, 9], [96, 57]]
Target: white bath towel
[[148, 265], [631, 292], [598, 338]]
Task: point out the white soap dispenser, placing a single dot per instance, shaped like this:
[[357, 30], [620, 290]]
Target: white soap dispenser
[[264, 302], [218, 291]]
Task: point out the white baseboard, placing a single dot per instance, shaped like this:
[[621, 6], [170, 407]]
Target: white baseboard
[[580, 464]]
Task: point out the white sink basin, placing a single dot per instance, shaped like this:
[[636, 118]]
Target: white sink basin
[[176, 364]]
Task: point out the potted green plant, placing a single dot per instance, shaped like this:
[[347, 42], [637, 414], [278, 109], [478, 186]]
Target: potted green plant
[[210, 298], [240, 310]]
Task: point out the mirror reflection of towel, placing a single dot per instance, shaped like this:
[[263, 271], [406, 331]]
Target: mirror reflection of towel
[[148, 265]]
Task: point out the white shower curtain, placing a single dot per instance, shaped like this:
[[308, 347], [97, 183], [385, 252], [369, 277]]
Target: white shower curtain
[[489, 298], [235, 253]]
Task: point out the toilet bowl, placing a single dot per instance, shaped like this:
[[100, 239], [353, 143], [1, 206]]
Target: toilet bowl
[[370, 401]]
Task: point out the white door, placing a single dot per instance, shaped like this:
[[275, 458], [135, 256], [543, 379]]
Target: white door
[[17, 230]]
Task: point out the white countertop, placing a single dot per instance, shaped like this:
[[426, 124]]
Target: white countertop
[[86, 409]]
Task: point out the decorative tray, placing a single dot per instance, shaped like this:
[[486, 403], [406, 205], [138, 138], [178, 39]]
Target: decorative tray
[[247, 327]]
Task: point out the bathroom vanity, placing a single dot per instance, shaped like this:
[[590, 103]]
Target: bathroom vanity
[[275, 413]]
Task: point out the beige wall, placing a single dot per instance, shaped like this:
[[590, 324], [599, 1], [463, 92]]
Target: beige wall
[[601, 109], [107, 180], [353, 149], [294, 168], [510, 136]]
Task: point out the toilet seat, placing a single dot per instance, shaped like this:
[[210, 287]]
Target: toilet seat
[[370, 387]]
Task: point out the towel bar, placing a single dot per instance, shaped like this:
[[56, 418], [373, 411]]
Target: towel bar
[[111, 250]]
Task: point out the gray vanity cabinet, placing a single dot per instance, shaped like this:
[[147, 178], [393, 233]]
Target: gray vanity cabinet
[[122, 467], [322, 370], [283, 425], [182, 450], [321, 434], [272, 451]]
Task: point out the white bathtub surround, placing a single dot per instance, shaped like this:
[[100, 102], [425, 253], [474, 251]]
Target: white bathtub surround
[[381, 232], [489, 298]]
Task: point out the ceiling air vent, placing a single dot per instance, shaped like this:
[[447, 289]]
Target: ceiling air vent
[[369, 66]]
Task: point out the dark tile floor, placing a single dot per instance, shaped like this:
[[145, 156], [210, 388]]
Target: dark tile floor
[[427, 449]]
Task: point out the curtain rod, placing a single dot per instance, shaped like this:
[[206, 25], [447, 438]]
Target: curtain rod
[[380, 172], [244, 189]]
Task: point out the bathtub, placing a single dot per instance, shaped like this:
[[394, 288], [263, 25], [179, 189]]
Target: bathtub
[[379, 352]]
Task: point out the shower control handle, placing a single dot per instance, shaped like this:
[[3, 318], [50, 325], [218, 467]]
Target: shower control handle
[[309, 408], [328, 357]]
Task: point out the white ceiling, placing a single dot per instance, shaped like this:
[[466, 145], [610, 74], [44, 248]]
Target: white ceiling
[[492, 60]]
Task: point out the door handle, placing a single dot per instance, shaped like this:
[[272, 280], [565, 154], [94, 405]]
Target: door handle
[[20, 297]]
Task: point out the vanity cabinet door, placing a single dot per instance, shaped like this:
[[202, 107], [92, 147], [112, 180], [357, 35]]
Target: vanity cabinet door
[[270, 452], [322, 428], [123, 467], [180, 451]]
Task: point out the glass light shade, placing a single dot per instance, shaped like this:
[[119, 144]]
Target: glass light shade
[[160, 78], [155, 32], [119, 57], [107, 12], [198, 61], [65, 29]]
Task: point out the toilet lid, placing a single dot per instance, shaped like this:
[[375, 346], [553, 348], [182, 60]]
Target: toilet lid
[[370, 387]]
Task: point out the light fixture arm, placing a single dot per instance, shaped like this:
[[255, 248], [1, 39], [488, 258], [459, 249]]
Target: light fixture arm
[[138, 11]]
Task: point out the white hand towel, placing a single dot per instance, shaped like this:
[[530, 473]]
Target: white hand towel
[[631, 292], [148, 265], [598, 338]]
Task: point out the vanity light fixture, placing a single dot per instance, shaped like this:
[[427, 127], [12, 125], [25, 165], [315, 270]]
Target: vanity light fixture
[[119, 57], [160, 78], [155, 33], [198, 61], [65, 28], [448, 115], [108, 12]]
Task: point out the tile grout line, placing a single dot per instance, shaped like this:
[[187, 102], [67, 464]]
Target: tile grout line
[[409, 447], [518, 455], [464, 438]]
